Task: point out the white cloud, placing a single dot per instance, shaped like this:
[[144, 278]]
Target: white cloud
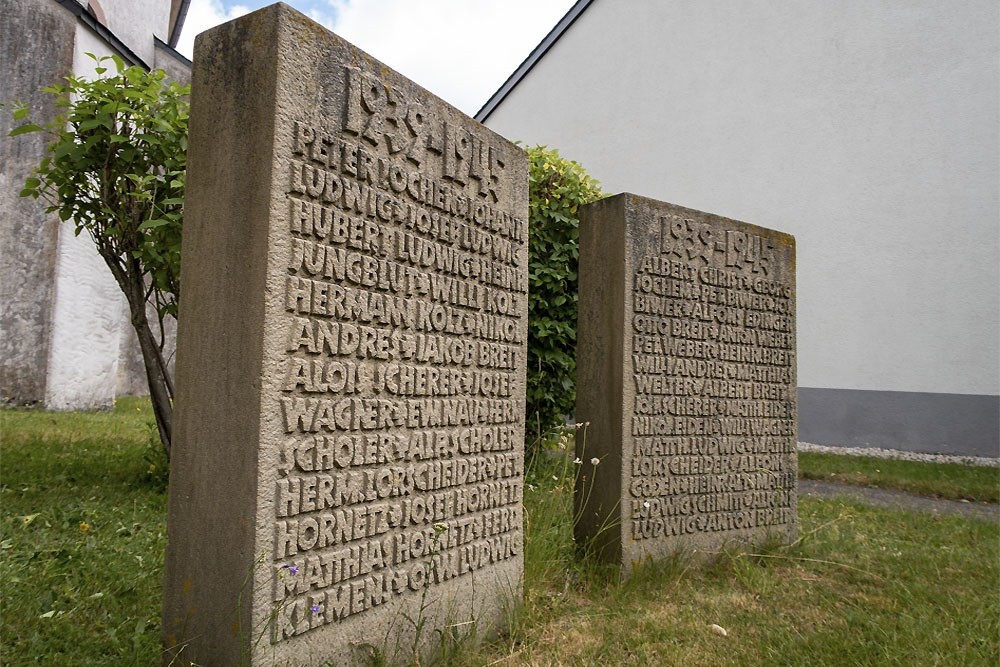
[[460, 50]]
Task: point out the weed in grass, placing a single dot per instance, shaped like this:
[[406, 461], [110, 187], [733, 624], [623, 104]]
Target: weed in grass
[[157, 466], [425, 646], [860, 586]]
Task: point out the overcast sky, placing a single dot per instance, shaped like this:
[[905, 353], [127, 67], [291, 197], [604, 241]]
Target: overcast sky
[[460, 50]]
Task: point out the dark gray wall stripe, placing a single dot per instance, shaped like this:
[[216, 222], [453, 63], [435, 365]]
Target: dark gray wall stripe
[[920, 422]]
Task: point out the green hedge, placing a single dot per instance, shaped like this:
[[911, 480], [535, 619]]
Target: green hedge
[[557, 189]]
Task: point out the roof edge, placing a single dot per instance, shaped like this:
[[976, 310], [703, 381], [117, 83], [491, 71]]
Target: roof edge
[[178, 15], [536, 54]]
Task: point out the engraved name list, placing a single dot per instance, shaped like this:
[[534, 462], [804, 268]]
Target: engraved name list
[[686, 379], [712, 414], [402, 392], [347, 468]]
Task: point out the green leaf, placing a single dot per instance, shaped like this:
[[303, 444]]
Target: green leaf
[[90, 123], [63, 149], [153, 224], [31, 183], [24, 129]]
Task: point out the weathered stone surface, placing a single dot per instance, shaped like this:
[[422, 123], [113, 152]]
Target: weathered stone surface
[[686, 375], [36, 43], [348, 453], [65, 335]]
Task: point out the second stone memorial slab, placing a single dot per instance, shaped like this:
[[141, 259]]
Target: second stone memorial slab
[[686, 382]]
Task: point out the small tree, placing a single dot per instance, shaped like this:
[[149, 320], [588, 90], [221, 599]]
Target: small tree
[[115, 166], [557, 188]]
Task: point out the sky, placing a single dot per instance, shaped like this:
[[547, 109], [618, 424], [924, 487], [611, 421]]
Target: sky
[[460, 50]]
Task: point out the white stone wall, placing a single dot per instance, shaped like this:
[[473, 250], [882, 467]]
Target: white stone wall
[[90, 315], [869, 130], [93, 353]]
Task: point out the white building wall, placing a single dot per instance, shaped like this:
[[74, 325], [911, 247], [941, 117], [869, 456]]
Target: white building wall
[[90, 349], [136, 21], [868, 129], [90, 316]]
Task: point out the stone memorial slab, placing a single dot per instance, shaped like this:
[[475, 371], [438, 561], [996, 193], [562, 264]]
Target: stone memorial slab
[[347, 464], [686, 377]]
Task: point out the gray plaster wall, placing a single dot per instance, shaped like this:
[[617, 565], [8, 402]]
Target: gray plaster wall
[[65, 334], [177, 67], [36, 47], [869, 130]]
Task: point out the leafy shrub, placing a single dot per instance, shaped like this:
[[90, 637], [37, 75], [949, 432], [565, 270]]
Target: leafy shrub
[[558, 187], [116, 166]]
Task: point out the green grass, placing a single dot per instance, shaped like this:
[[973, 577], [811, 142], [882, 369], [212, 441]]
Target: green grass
[[939, 480], [862, 586], [81, 553], [82, 535]]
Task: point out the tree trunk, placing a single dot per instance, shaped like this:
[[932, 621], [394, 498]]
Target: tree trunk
[[160, 387], [156, 376], [130, 279]]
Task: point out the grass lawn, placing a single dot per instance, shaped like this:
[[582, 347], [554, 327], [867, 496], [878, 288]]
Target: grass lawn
[[82, 536], [940, 480]]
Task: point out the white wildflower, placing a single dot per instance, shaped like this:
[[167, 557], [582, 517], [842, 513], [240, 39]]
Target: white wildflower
[[577, 461], [594, 461]]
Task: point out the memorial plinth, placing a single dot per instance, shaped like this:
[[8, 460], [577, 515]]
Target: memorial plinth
[[347, 464], [686, 382]]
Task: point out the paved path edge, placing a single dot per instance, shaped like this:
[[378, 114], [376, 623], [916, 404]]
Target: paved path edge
[[892, 499]]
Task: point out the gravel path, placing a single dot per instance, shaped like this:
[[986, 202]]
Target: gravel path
[[898, 499], [897, 454]]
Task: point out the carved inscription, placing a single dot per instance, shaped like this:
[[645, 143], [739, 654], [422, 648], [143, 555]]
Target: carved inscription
[[712, 421], [402, 403]]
